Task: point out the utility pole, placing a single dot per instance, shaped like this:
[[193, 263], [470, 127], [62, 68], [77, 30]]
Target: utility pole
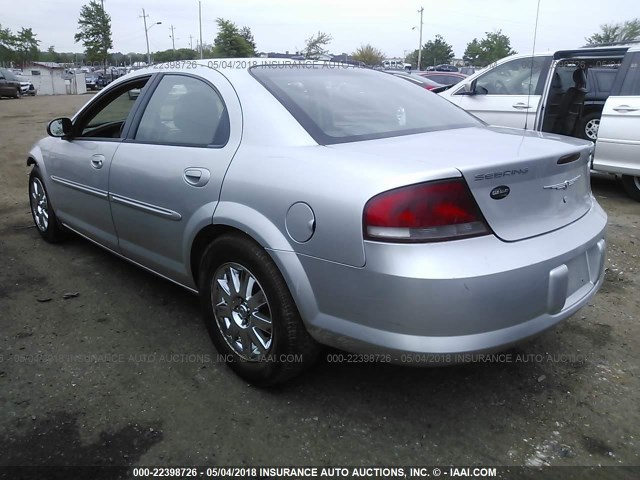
[[173, 39], [420, 42], [146, 34], [200, 21], [191, 42], [104, 35]]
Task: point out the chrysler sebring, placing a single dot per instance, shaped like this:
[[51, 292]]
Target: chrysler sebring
[[313, 203]]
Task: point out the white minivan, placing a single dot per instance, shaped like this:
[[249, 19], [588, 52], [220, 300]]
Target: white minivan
[[559, 92]]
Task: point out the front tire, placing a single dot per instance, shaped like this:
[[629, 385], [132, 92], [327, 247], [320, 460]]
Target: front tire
[[632, 186], [250, 313], [18, 93], [41, 210]]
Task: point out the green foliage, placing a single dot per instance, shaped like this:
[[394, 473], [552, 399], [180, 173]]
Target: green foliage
[[368, 54], [173, 55], [21, 47], [434, 52], [232, 42], [315, 45], [619, 32], [94, 27], [493, 47]]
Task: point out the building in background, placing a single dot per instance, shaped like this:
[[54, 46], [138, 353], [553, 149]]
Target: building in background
[[50, 78]]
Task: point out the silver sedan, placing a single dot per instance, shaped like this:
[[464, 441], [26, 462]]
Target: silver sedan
[[313, 203]]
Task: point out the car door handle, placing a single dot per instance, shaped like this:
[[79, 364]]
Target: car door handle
[[624, 108], [520, 106], [97, 161], [197, 177]]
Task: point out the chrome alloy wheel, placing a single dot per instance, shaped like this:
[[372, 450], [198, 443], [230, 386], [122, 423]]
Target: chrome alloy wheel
[[39, 205], [591, 129], [242, 312]]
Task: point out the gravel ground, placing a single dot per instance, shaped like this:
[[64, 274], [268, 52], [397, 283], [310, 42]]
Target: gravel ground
[[124, 372]]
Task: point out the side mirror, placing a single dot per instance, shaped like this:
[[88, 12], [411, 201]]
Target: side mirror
[[59, 128], [473, 89]]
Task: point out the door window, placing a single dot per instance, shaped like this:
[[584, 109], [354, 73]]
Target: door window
[[631, 84], [106, 119], [516, 77], [184, 110]]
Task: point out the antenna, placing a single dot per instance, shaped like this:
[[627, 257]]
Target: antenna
[[535, 36]]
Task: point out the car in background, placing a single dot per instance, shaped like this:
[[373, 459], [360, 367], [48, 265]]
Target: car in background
[[584, 92], [94, 81], [336, 206], [417, 80], [9, 84], [599, 86], [444, 78], [446, 68], [26, 86]]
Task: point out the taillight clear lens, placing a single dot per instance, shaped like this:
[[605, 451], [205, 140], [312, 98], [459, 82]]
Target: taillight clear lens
[[425, 212]]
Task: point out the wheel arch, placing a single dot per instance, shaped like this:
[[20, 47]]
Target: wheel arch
[[243, 220]]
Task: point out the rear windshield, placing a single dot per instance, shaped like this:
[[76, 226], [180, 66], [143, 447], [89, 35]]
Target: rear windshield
[[338, 104]]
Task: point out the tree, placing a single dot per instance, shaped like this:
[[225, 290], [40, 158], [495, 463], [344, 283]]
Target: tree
[[434, 52], [7, 44], [368, 54], [172, 55], [26, 45], [94, 27], [619, 32], [493, 47], [245, 32], [315, 45], [473, 52], [230, 43]]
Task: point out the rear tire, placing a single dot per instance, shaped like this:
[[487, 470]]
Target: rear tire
[[632, 186], [250, 313], [42, 211]]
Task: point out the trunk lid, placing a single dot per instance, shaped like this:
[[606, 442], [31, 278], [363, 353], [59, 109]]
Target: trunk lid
[[525, 183]]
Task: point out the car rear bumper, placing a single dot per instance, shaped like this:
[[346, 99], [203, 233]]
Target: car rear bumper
[[466, 296]]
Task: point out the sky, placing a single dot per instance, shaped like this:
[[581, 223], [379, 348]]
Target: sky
[[283, 25]]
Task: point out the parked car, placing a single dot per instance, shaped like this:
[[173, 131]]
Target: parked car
[[599, 86], [555, 92], [95, 81], [26, 87], [444, 78], [417, 80], [336, 206], [446, 68], [9, 84]]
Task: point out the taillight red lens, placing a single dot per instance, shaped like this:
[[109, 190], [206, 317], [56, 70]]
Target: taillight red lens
[[426, 212]]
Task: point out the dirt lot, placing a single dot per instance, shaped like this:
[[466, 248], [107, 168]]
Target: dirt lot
[[125, 373]]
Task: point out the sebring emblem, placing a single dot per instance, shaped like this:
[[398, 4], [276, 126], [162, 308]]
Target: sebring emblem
[[562, 186], [500, 192]]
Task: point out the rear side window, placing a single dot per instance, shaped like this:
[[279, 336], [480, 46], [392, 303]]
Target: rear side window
[[338, 104], [184, 110], [631, 84]]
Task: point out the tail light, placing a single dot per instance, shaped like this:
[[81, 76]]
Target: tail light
[[426, 212]]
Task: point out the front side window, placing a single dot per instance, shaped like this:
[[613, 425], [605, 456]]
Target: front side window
[[631, 84], [337, 104], [106, 119], [184, 110], [516, 77]]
